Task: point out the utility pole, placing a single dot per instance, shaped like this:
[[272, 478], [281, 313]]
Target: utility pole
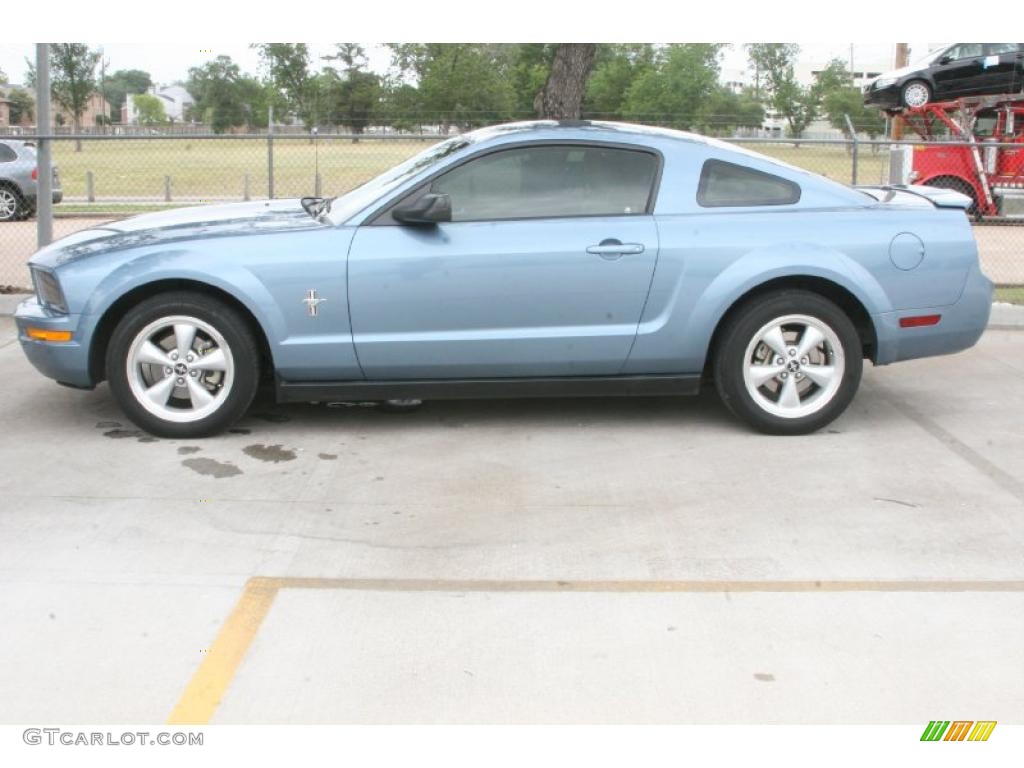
[[902, 56], [44, 148]]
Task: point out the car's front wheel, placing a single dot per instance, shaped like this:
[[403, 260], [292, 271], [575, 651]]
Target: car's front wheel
[[916, 93], [183, 365], [788, 363]]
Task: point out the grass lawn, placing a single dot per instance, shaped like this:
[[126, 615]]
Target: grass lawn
[[1014, 294], [214, 169]]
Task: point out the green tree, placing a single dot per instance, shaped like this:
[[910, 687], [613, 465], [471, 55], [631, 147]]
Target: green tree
[[225, 98], [616, 68], [725, 110], [400, 104], [149, 109], [352, 95], [673, 90], [288, 70], [118, 85], [72, 79], [22, 105], [464, 84], [3, 77], [796, 103], [840, 97]]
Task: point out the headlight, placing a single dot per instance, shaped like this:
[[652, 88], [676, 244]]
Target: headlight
[[48, 291], [884, 82]]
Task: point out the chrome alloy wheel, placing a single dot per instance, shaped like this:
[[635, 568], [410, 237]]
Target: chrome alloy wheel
[[793, 366], [916, 95], [180, 368], [8, 204]]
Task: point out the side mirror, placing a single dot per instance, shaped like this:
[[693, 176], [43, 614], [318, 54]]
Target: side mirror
[[945, 60], [430, 208]]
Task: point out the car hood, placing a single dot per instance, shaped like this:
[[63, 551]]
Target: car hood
[[210, 221], [897, 73]]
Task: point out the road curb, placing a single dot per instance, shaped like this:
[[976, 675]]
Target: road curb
[[1005, 317]]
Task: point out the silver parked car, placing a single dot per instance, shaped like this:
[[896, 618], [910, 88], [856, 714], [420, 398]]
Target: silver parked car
[[19, 180]]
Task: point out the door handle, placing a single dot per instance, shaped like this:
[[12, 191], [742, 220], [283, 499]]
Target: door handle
[[612, 248]]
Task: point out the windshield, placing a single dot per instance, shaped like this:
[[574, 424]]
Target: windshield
[[929, 58], [349, 204]]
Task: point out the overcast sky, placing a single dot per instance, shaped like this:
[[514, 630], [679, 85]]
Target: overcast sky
[[169, 62]]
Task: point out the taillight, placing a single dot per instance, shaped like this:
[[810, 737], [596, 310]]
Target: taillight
[[35, 174]]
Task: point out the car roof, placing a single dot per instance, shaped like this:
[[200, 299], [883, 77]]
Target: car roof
[[607, 127]]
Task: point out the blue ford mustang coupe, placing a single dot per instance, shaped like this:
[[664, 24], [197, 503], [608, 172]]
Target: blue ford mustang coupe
[[530, 259]]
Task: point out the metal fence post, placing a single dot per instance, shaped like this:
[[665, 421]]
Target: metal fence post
[[245, 188], [270, 152], [853, 136], [44, 149], [167, 189], [90, 187]]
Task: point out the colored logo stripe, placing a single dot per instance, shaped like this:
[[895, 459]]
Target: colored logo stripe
[[959, 730]]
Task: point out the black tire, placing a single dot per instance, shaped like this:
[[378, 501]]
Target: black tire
[[916, 84], [738, 333], [220, 316], [12, 206]]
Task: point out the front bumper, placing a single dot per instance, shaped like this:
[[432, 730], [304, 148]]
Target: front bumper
[[960, 328], [66, 361], [883, 97]]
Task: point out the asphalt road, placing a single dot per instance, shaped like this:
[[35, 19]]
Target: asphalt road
[[1001, 249], [537, 561]]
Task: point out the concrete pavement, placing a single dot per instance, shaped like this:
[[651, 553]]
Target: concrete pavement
[[693, 571]]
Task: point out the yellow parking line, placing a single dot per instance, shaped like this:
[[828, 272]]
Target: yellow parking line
[[211, 680], [209, 683]]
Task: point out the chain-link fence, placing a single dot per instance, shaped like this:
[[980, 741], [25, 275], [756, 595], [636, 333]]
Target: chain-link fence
[[107, 177]]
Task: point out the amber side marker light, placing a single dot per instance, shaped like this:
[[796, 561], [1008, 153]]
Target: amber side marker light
[[919, 320], [41, 334]]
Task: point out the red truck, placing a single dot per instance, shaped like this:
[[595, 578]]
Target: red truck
[[992, 175]]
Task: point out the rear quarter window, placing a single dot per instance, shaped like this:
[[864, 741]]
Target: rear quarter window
[[7, 154], [725, 184]]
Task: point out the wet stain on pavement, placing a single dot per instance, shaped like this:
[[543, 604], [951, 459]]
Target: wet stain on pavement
[[328, 456], [212, 467], [187, 449], [107, 424], [119, 434], [273, 453], [764, 677]]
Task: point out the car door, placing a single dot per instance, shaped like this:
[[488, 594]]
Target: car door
[[962, 73], [542, 271], [1001, 68]]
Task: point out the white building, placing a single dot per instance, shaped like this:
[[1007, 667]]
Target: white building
[[175, 98]]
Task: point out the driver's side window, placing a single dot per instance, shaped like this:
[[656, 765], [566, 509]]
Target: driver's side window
[[965, 51], [551, 181]]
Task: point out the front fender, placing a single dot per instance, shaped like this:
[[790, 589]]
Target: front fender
[[184, 264]]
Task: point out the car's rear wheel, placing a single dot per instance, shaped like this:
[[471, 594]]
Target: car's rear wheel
[[183, 365], [788, 362], [11, 204], [916, 93]]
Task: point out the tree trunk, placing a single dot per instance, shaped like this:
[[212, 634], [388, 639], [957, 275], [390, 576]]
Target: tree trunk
[[562, 95]]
